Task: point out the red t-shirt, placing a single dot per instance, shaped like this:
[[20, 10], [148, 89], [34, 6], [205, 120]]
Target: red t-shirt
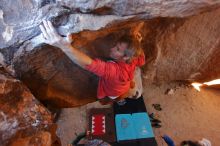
[[115, 77]]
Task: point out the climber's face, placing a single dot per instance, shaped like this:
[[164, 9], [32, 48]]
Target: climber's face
[[118, 51]]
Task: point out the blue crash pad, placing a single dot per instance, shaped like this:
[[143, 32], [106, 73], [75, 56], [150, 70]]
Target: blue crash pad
[[133, 126]]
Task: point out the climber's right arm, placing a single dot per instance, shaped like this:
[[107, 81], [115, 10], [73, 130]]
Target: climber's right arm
[[51, 37]]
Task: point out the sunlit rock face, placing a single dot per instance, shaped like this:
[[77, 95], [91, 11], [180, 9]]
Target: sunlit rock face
[[22, 117], [180, 40]]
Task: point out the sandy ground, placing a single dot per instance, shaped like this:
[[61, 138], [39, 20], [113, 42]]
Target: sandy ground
[[186, 114]]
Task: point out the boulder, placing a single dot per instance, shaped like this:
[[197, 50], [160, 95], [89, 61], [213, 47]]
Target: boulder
[[180, 40], [22, 116]]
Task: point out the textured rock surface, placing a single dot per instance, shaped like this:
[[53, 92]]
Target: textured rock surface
[[175, 47], [149, 8], [19, 20], [22, 117], [181, 39], [187, 49], [54, 79]]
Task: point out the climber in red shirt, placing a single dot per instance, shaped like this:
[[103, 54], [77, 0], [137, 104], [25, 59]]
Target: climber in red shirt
[[115, 77]]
